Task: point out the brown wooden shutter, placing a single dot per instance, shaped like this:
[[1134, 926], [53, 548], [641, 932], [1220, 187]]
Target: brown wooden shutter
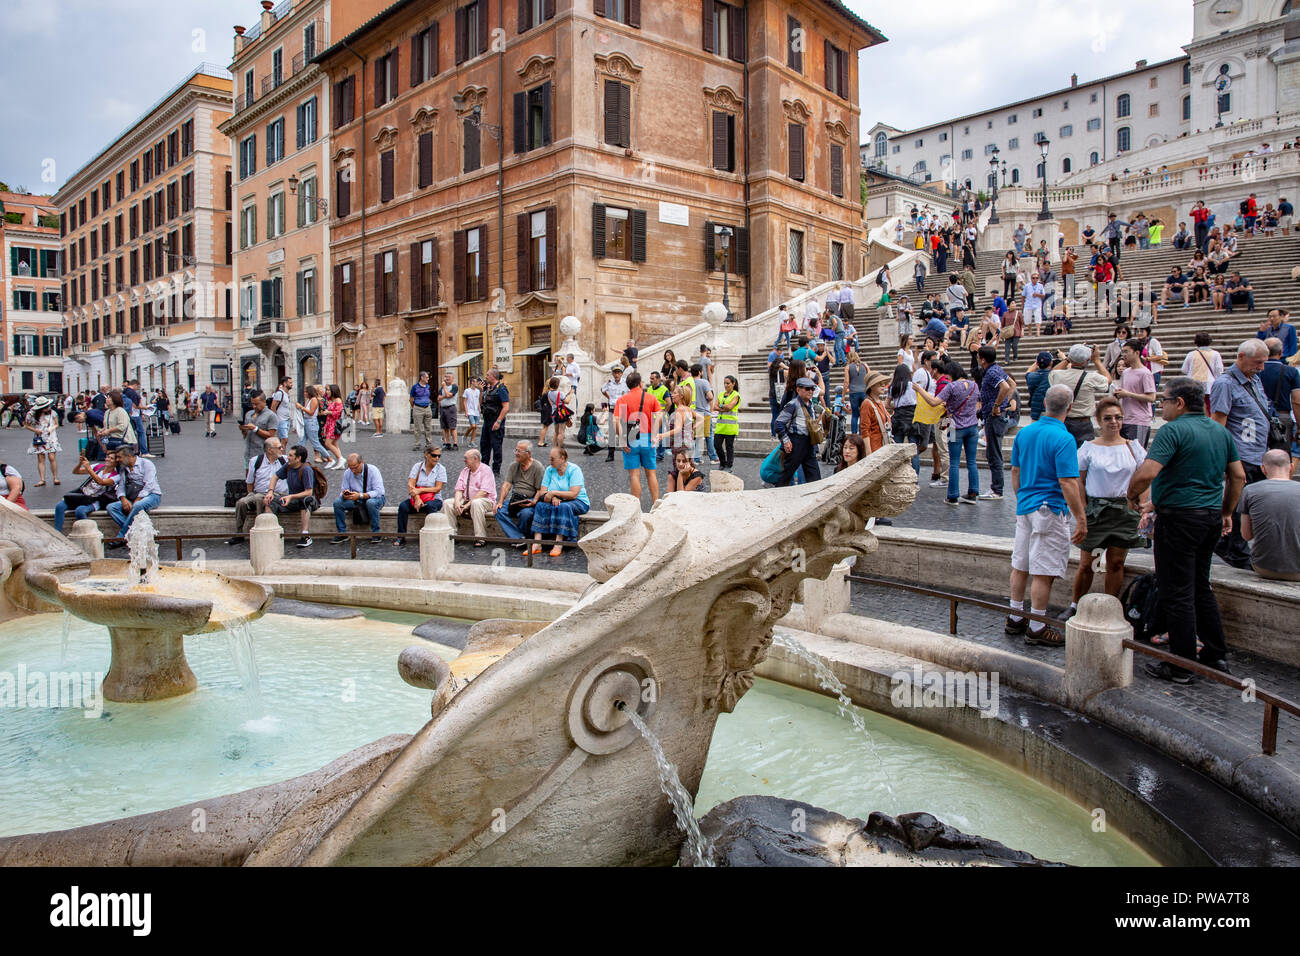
[[379, 83], [458, 253], [794, 44], [837, 169], [483, 26], [483, 272], [625, 114], [548, 9], [796, 152], [599, 8], [525, 15], [720, 141], [386, 174], [397, 71], [433, 271], [523, 258], [638, 235], [611, 111], [597, 230], [462, 36], [338, 293], [742, 251], [426, 159], [736, 34], [417, 60], [433, 49], [521, 120], [546, 114], [552, 248], [710, 255], [844, 76], [706, 14], [633, 12], [473, 159], [379, 283], [417, 291]]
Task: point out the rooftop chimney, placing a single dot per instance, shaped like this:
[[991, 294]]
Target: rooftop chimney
[[239, 39], [1141, 63], [268, 18], [1074, 79]]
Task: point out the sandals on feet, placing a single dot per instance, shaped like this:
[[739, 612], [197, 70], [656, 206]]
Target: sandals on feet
[[556, 551]]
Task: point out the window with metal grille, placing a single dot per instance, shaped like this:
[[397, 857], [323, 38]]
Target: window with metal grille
[[795, 252]]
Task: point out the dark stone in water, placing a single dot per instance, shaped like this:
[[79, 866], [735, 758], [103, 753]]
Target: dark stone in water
[[772, 831], [234, 747], [442, 631], [333, 612]]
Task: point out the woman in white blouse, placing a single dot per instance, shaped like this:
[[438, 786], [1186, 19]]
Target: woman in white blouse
[[1106, 465]]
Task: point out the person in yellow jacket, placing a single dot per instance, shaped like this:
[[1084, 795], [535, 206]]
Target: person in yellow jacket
[[728, 423], [663, 393]]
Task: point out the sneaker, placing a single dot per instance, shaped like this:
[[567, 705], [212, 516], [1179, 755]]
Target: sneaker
[[969, 498], [714, 461], [1016, 627], [375, 539], [305, 543], [234, 540], [1220, 665], [399, 543], [1047, 636], [1163, 670], [951, 501], [338, 539], [938, 481], [990, 496]]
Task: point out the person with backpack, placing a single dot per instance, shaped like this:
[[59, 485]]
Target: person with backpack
[[636, 420], [1106, 465], [306, 486], [261, 474], [1195, 476]]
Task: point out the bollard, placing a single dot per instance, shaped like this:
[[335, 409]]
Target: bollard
[[823, 599], [87, 536], [437, 550], [1095, 658], [265, 543]]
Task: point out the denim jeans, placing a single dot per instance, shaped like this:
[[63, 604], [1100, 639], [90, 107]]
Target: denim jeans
[[311, 435], [967, 439], [995, 426], [840, 352], [282, 428], [82, 510], [372, 506], [782, 338], [856, 399], [123, 522], [520, 526], [404, 511]]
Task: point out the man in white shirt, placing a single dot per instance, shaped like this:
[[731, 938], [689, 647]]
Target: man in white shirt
[[472, 395], [572, 372], [811, 310], [614, 387], [1034, 293], [282, 405], [257, 479]]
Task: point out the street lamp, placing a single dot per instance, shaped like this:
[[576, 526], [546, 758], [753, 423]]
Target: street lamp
[[724, 238], [1004, 174], [322, 204], [993, 165], [1045, 214]]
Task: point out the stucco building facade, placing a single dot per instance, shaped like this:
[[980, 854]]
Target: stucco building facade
[[31, 317]]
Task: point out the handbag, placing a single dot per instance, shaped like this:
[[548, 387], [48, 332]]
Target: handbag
[[925, 413], [1279, 436], [773, 465]]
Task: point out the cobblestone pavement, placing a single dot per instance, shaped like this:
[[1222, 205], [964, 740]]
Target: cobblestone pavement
[[194, 471], [1217, 706]]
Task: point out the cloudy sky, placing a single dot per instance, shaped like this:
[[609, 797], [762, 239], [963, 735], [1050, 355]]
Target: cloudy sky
[[77, 72]]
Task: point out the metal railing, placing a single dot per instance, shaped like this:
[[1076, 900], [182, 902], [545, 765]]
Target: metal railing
[[1272, 702]]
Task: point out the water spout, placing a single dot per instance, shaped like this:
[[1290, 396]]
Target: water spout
[[239, 640], [67, 638], [821, 669], [143, 546], [700, 849]]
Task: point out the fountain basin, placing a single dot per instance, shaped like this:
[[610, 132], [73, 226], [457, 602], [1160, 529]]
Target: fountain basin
[[147, 623]]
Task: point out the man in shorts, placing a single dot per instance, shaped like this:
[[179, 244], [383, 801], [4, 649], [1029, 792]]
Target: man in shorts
[[1034, 293], [447, 403], [636, 416], [1049, 514], [473, 412], [377, 408]]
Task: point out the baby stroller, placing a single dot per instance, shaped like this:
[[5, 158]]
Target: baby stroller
[[833, 447]]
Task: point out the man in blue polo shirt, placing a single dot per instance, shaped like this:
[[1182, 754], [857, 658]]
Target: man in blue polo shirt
[[1277, 327], [1045, 479], [422, 412], [935, 330], [1238, 403], [803, 353]]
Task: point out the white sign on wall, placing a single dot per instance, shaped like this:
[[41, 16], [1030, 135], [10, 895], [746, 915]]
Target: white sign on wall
[[675, 214]]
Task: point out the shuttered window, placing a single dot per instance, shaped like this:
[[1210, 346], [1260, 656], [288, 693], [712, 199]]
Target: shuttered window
[[535, 250], [532, 118], [737, 252], [618, 113], [620, 11], [305, 283], [344, 100], [386, 282], [424, 55], [837, 169], [386, 174], [837, 70], [724, 141], [473, 158], [425, 160], [386, 78], [796, 135], [534, 12], [306, 123], [345, 299], [272, 307], [469, 264], [343, 192], [794, 44], [618, 233], [424, 274], [471, 31]]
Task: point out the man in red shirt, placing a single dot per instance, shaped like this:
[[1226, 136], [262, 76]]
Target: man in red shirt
[[1251, 215], [1201, 218], [636, 417]]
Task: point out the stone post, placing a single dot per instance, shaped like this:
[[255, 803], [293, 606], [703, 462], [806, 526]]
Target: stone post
[[265, 542], [1095, 659], [437, 550], [397, 405], [87, 536], [822, 599]]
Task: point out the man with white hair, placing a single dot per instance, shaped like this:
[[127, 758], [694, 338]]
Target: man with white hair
[[1049, 514], [1270, 520], [1085, 385], [1238, 403], [476, 494]]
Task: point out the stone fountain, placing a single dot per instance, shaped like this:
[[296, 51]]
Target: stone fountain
[[148, 610]]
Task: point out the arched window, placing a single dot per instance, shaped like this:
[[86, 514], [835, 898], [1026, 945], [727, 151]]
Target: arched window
[[1123, 105], [1187, 107], [1015, 175], [882, 145], [1066, 165], [1123, 139], [1094, 158]]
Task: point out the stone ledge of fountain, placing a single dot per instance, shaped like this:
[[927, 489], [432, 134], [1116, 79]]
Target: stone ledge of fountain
[[546, 578], [756, 831], [1185, 821]]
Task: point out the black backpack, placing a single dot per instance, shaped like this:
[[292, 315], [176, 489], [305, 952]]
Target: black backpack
[[1245, 207], [1141, 602]]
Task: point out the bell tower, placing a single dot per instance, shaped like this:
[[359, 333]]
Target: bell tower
[[1245, 41]]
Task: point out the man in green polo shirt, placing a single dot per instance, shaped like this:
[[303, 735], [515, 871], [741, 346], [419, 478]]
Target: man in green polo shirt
[[1195, 476]]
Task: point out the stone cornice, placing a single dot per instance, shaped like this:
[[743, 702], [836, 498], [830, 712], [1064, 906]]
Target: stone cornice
[[272, 101]]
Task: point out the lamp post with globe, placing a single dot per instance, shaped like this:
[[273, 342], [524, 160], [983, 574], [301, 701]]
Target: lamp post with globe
[[1045, 213]]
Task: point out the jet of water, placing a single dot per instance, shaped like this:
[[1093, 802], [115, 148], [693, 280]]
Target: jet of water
[[143, 547], [821, 669], [239, 640], [701, 850]]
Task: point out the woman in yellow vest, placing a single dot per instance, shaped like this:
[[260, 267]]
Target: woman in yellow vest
[[728, 423]]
